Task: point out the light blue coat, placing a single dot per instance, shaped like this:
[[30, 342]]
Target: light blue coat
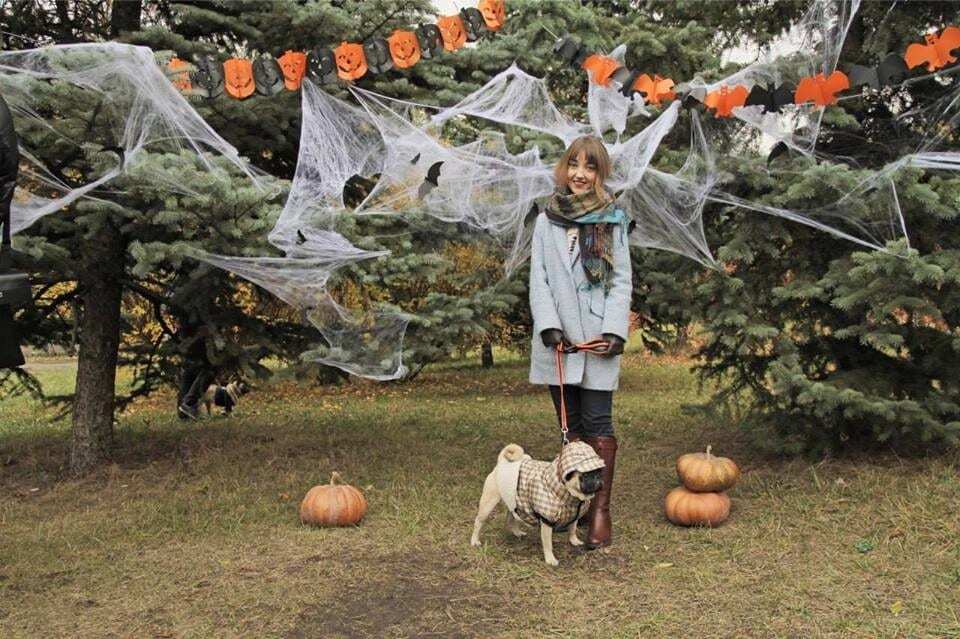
[[559, 298]]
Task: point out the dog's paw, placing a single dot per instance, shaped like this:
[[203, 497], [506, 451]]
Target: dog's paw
[[552, 561], [576, 541], [519, 534], [475, 543]]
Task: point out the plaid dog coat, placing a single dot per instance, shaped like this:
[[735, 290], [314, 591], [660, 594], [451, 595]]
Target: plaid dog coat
[[540, 494]]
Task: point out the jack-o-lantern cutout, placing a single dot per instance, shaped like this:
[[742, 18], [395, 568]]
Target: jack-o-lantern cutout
[[473, 23], [238, 78], [377, 52], [452, 31], [321, 65], [351, 62], [208, 77], [293, 64], [430, 40], [267, 76], [600, 68], [404, 49], [494, 13], [180, 80]]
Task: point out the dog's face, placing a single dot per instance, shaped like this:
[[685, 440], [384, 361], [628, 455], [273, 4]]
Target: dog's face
[[583, 486]]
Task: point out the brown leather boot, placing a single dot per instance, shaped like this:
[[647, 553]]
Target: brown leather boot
[[598, 517]]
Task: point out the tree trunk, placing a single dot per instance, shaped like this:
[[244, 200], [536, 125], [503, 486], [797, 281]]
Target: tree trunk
[[486, 355], [100, 293], [125, 16]]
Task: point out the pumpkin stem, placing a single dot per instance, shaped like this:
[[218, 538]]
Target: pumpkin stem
[[708, 449], [335, 477]]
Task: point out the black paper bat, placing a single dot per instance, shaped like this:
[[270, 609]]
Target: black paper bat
[[778, 149], [301, 238], [891, 71], [531, 214], [415, 159], [771, 101], [431, 181]]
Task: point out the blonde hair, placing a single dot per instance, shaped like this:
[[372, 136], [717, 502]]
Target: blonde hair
[[596, 154]]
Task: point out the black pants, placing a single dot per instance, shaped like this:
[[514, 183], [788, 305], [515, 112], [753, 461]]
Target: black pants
[[193, 384], [589, 412]]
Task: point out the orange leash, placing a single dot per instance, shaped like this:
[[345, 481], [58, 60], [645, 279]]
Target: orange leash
[[596, 346]]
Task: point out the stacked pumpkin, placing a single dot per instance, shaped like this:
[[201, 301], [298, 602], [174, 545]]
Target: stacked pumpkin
[[701, 500]]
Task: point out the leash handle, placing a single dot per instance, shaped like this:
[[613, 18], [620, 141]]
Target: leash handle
[[596, 346]]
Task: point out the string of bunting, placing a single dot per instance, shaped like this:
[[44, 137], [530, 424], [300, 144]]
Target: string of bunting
[[240, 78], [937, 53]]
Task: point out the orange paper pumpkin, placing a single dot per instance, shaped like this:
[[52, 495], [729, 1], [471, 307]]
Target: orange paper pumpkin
[[294, 65], [238, 78], [404, 49], [936, 52], [351, 61], [494, 13], [725, 99], [820, 89], [600, 68], [180, 80], [654, 89], [452, 31]]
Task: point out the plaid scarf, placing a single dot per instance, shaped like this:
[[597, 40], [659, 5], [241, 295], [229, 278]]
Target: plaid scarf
[[595, 233]]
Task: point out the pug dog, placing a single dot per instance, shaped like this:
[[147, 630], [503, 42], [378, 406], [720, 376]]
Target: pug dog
[[552, 495], [227, 397]]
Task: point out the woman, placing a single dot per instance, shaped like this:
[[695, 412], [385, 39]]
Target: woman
[[580, 287]]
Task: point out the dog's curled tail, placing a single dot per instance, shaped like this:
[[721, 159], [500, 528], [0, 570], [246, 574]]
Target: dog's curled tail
[[511, 453]]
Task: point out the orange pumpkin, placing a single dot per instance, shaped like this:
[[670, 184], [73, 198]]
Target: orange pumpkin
[[238, 78], [404, 49], [333, 504], [494, 13], [600, 68], [706, 473], [452, 31], [351, 61], [687, 508], [180, 80], [294, 65]]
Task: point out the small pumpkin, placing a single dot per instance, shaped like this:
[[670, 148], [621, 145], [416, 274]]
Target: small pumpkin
[[453, 32], [404, 49], [494, 13], [351, 61], [706, 473], [293, 64], [687, 508], [333, 504]]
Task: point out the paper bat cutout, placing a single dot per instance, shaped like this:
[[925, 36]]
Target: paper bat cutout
[[937, 52], [820, 89], [600, 68], [321, 65], [301, 238], [377, 52], [772, 100], [725, 99], [778, 149], [531, 214], [431, 181], [473, 23], [654, 89], [889, 72], [570, 49], [415, 159], [430, 40]]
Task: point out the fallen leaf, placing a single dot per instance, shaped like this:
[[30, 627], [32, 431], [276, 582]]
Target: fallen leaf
[[896, 607], [663, 565]]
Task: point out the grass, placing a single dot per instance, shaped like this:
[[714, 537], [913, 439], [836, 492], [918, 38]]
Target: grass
[[193, 531]]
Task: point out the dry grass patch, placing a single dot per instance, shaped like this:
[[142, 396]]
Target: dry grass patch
[[193, 531]]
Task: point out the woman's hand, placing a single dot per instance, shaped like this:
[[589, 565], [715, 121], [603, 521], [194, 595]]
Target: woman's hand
[[615, 344], [553, 336]]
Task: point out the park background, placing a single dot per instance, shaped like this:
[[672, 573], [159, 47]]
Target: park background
[[825, 371]]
